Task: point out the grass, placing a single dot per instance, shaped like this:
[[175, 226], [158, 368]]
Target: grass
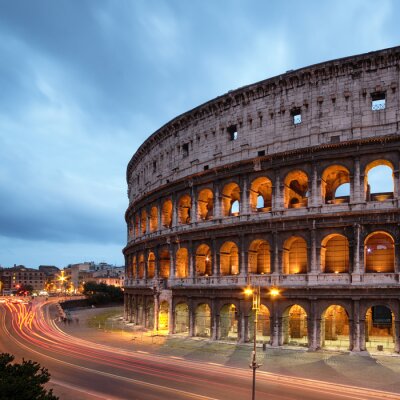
[[102, 318]]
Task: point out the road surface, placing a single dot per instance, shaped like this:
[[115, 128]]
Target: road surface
[[84, 370]]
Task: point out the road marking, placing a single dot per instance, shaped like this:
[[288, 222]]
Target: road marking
[[142, 352], [176, 357], [219, 365], [78, 389]]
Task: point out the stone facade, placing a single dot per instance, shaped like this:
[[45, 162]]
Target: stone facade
[[245, 190]]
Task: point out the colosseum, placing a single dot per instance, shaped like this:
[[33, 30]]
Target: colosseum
[[290, 183]]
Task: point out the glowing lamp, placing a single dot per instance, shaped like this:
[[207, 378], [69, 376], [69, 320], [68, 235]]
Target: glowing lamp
[[274, 292], [248, 291]]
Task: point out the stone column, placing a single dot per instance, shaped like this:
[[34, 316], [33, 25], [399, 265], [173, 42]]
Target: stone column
[[315, 195], [314, 329], [172, 260], [145, 256], [171, 318], [217, 203], [139, 224], [156, 310], [356, 251], [148, 220], [356, 192], [397, 256], [396, 177], [244, 209], [314, 264], [192, 260], [156, 262], [174, 211], [159, 215], [215, 324], [215, 258], [275, 254], [192, 318], [356, 345], [244, 258], [396, 334], [275, 323], [278, 203]]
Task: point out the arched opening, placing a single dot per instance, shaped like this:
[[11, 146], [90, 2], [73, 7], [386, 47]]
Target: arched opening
[[205, 201], [228, 322], [164, 261], [166, 215], [294, 326], [333, 178], [148, 320], [261, 195], [184, 207], [182, 263], [137, 226], [379, 181], [144, 222], [134, 267], [379, 329], [163, 316], [335, 329], [259, 257], [141, 266], [296, 189], [181, 318], [379, 252], [231, 199], [295, 256], [202, 323], [263, 325], [335, 254], [203, 261], [151, 265], [153, 219], [229, 259]]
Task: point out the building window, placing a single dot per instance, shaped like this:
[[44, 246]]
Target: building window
[[233, 133], [378, 101], [185, 149], [154, 166], [296, 115], [261, 153]]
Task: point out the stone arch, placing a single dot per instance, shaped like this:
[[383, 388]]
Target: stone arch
[[294, 326], [164, 263], [181, 318], [380, 328], [153, 219], [144, 222], [203, 260], [379, 252], [335, 328], [163, 316], [141, 266], [151, 265], [259, 257], [261, 194], [335, 254], [296, 189], [205, 204], [166, 214], [383, 190], [229, 259], [295, 256], [263, 325], [182, 263], [202, 320], [332, 178], [228, 322], [184, 207], [230, 199]]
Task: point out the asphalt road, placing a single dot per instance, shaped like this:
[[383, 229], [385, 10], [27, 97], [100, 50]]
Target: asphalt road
[[84, 370]]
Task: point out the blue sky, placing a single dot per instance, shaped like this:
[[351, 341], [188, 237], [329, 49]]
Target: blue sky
[[83, 83]]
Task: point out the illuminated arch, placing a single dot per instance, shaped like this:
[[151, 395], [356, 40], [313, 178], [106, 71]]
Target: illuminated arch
[[231, 199], [295, 256], [166, 215], [259, 257], [182, 263], [294, 326], [203, 260], [144, 222], [379, 252], [228, 322], [335, 254], [229, 259], [141, 266], [380, 328], [181, 318], [334, 177], [205, 201], [164, 262], [296, 189], [379, 187], [184, 207], [151, 265], [261, 194], [153, 219], [202, 317], [335, 328]]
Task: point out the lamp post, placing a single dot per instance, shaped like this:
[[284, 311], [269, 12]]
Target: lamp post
[[256, 293]]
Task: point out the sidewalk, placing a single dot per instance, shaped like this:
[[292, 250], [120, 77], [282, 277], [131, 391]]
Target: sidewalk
[[380, 372]]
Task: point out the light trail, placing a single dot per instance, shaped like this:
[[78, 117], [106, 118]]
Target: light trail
[[35, 330]]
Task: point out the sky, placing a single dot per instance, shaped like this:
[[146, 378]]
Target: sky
[[84, 83]]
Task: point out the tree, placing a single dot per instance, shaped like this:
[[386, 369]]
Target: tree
[[23, 381], [100, 293], [24, 290]]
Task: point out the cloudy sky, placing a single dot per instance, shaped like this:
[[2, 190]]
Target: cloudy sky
[[83, 83]]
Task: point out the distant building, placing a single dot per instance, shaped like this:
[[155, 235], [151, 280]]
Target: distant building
[[52, 274], [15, 277]]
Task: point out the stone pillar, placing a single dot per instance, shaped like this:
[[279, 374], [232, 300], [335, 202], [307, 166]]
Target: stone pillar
[[172, 260], [356, 190], [315, 195], [174, 211], [156, 310], [159, 215], [275, 269], [314, 265], [278, 203], [192, 260], [356, 335], [147, 221], [217, 203], [276, 324], [192, 318], [314, 327], [244, 209], [397, 256], [171, 319], [139, 224], [215, 258], [396, 335], [396, 177], [356, 252], [145, 256], [244, 258]]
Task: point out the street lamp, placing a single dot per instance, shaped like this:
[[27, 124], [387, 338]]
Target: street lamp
[[256, 293], [62, 280]]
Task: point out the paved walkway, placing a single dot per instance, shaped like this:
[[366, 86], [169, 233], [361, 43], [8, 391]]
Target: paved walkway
[[374, 371]]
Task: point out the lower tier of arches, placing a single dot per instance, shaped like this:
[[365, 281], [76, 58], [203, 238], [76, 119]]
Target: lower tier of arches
[[355, 324]]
